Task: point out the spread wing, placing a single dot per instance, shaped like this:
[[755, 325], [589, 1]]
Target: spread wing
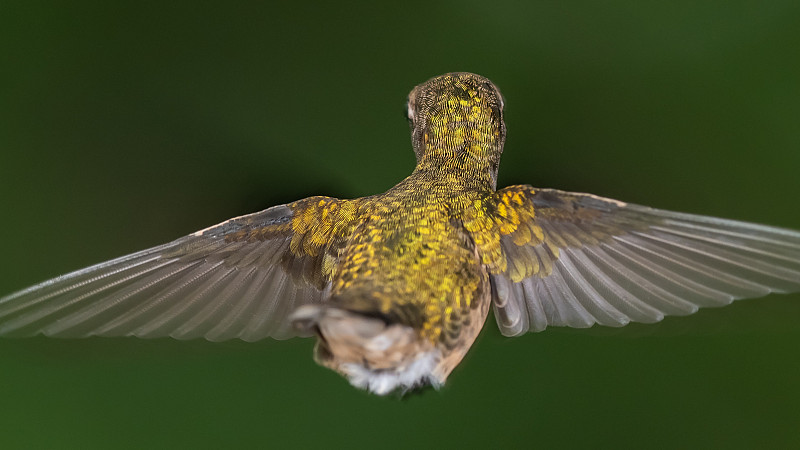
[[239, 279], [567, 259]]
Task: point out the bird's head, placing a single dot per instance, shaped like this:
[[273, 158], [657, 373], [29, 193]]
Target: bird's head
[[457, 117]]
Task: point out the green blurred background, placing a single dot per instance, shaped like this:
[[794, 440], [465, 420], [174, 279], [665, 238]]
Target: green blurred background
[[127, 124]]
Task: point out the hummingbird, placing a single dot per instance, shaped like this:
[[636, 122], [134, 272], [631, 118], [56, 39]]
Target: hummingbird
[[396, 286]]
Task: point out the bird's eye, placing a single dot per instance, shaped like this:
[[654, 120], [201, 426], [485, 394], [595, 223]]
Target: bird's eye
[[409, 113]]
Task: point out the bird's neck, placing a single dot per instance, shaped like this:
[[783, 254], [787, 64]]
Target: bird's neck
[[472, 165]]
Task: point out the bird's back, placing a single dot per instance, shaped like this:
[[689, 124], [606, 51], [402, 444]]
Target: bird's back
[[409, 277]]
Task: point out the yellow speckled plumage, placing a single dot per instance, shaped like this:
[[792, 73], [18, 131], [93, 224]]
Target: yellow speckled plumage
[[418, 254], [397, 286], [410, 255]]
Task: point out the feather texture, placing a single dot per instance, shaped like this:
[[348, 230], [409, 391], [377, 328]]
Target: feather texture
[[605, 262], [238, 279]]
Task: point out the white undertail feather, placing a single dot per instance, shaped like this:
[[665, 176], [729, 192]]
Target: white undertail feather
[[418, 373]]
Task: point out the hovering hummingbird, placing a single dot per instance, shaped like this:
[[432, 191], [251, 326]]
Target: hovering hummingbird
[[397, 286]]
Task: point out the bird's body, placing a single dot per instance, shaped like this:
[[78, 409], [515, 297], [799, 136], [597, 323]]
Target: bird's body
[[397, 286], [411, 272]]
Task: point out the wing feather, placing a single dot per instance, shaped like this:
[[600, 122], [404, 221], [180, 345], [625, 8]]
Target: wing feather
[[600, 261], [239, 279]]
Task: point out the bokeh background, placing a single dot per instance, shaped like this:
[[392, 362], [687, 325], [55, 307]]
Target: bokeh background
[[126, 124]]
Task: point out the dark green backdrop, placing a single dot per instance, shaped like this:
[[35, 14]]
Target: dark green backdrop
[[123, 126]]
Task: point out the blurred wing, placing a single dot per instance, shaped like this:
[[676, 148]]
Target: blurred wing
[[239, 279], [570, 259]]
